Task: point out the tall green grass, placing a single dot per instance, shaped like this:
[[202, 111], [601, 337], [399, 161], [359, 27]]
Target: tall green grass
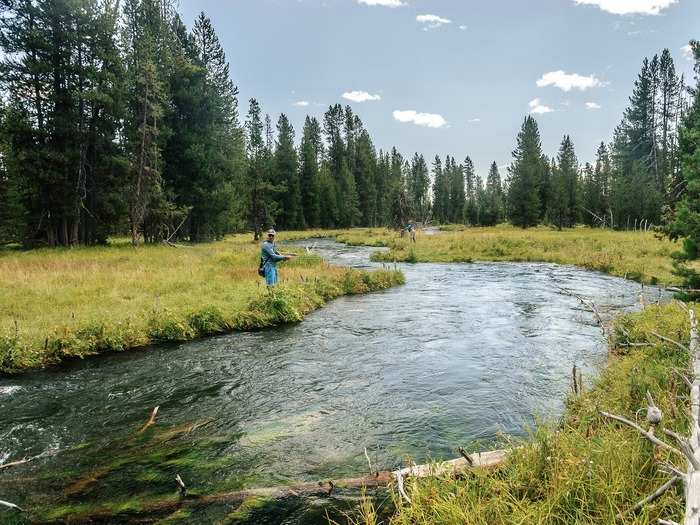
[[59, 304]]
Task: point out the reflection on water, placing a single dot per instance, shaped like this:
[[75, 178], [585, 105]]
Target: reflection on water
[[457, 355]]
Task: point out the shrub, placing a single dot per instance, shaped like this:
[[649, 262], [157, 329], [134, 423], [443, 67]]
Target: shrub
[[164, 326], [208, 320]]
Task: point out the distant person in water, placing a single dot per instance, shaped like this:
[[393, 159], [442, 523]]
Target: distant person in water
[[411, 229], [270, 257]]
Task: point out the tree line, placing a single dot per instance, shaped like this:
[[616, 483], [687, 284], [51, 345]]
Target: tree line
[[118, 119], [635, 181]]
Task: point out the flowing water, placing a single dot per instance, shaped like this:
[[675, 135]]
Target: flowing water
[[460, 354]]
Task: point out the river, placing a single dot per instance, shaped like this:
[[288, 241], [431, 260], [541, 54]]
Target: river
[[456, 357]]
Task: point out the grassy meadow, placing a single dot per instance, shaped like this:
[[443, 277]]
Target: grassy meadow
[[586, 469], [61, 303], [633, 255]]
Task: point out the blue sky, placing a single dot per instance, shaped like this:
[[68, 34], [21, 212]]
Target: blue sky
[[450, 76]]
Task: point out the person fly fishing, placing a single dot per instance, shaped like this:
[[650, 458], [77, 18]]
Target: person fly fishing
[[411, 229], [269, 257]]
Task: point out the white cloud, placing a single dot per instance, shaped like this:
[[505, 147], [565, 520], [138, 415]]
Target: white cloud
[[301, 103], [592, 105], [383, 3], [428, 120], [463, 28], [360, 96], [477, 119], [687, 52], [569, 81], [630, 7], [432, 21], [538, 108]]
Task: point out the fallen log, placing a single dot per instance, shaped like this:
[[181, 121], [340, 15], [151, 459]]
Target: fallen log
[[692, 481], [321, 489]]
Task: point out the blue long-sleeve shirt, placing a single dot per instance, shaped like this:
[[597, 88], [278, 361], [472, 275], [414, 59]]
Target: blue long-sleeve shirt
[[270, 254]]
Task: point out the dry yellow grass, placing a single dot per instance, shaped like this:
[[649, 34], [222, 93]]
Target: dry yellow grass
[[119, 296], [633, 255]]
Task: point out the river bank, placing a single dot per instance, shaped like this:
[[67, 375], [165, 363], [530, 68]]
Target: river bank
[[73, 303], [638, 256], [584, 469]]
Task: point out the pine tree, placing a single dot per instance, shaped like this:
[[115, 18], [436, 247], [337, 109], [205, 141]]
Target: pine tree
[[545, 192], [480, 202], [146, 39], [525, 176], [568, 168], [457, 192], [557, 205], [439, 187], [382, 185], [686, 222], [310, 156], [470, 207], [225, 144], [493, 194], [669, 87], [596, 190], [335, 123], [262, 208], [366, 179], [287, 176], [62, 73], [418, 183], [400, 207], [635, 185]]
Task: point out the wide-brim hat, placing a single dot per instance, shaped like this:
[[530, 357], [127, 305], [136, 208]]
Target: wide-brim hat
[[271, 231]]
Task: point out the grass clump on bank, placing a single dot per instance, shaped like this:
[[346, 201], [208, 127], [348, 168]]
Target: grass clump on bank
[[633, 255], [587, 469], [62, 303]]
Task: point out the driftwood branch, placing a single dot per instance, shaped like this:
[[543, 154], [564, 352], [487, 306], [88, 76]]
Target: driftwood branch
[[685, 447], [15, 463], [11, 505], [669, 468], [590, 306], [369, 462], [181, 488], [652, 497], [466, 456], [150, 421], [167, 241], [685, 378], [50, 452], [651, 437], [669, 340], [399, 484]]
